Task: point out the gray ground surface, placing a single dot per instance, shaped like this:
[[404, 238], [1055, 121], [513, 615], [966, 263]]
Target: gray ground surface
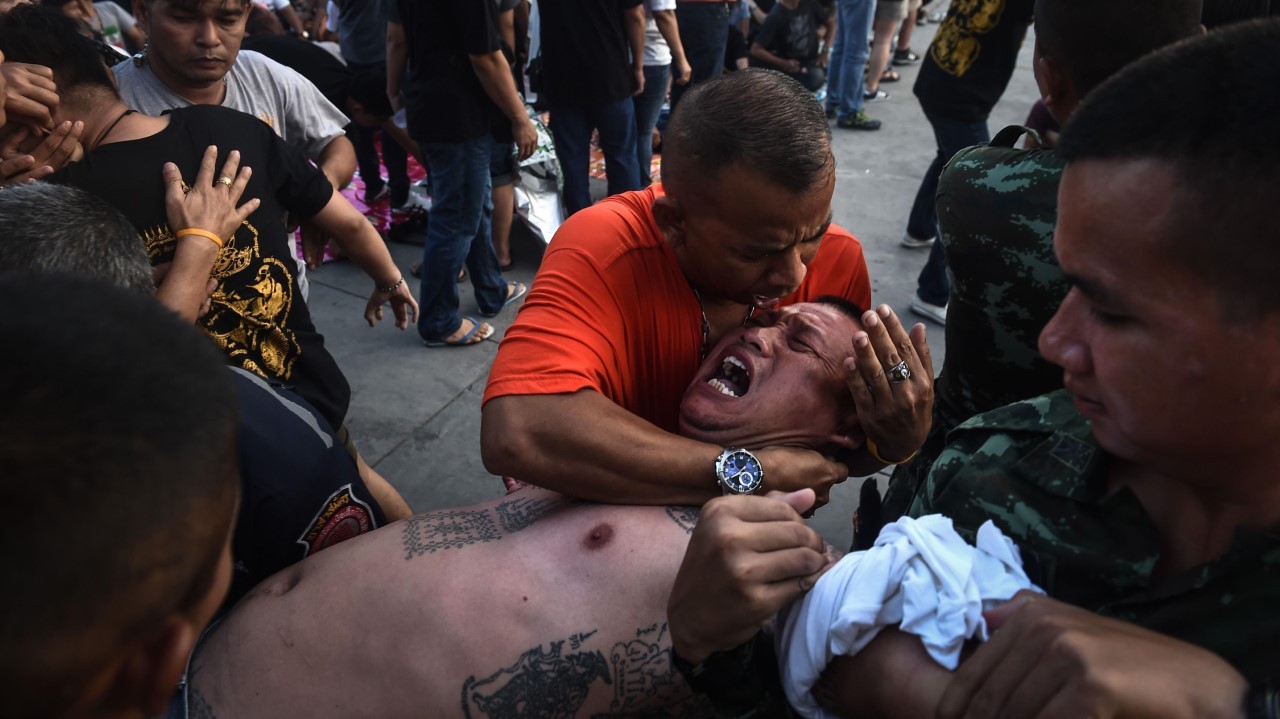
[[415, 412]]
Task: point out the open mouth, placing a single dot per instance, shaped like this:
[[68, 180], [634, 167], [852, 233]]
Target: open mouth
[[733, 379]]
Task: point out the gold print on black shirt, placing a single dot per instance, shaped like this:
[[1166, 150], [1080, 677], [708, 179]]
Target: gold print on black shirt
[[956, 46], [249, 310]]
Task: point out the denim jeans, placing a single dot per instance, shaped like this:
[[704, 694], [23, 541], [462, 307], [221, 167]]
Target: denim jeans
[[571, 127], [952, 136], [849, 54], [704, 33], [648, 107], [458, 232]]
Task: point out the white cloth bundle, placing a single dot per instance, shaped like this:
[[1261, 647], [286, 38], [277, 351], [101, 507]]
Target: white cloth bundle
[[921, 575]]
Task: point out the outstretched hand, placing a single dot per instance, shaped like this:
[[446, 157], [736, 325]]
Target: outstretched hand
[[895, 413], [749, 557], [403, 305], [208, 205]]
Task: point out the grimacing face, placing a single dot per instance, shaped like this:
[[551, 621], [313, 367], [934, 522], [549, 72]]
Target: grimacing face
[[778, 381], [192, 45], [747, 240]]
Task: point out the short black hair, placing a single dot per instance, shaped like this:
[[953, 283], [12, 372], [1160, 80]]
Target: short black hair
[[369, 88], [847, 307], [1092, 39], [119, 463], [758, 119], [44, 36], [74, 232], [1208, 107]]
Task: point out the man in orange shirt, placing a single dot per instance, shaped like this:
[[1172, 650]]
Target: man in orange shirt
[[631, 293]]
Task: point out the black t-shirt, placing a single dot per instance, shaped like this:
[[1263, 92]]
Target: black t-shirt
[[444, 99], [792, 34], [330, 76], [586, 56], [258, 318], [302, 491], [972, 57]]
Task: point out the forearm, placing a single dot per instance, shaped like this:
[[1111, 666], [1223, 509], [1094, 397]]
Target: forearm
[[338, 162], [397, 133], [585, 445], [397, 57], [670, 31], [634, 20], [185, 286], [495, 77], [760, 53], [290, 18], [358, 240]]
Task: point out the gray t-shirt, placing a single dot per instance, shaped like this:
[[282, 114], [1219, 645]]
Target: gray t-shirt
[[258, 85]]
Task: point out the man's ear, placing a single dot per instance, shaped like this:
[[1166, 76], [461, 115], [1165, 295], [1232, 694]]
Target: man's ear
[[1060, 97], [142, 13], [148, 676], [669, 216]]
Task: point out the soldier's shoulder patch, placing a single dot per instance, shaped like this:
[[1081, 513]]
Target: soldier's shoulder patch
[[1073, 452]]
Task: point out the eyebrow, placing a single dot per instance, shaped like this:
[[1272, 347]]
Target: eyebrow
[[1094, 290], [826, 225]]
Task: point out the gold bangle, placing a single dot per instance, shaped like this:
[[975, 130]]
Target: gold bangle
[[202, 233], [871, 447]]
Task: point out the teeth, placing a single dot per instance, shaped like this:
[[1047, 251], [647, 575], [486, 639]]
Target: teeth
[[735, 362], [721, 386]]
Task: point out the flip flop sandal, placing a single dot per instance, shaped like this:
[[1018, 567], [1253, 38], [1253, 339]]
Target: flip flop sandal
[[474, 337], [890, 76], [515, 291]]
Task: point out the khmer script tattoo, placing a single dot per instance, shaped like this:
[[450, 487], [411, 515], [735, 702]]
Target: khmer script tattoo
[[684, 517], [544, 683], [520, 512], [553, 681], [432, 532]]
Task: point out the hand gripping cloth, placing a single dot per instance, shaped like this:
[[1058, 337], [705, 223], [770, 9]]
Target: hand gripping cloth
[[921, 576]]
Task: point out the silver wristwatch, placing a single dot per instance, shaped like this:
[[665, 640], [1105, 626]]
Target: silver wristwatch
[[739, 472]]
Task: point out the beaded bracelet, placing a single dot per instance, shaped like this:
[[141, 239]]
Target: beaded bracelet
[[392, 288]]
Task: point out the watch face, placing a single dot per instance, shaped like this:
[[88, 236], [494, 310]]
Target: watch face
[[740, 472]]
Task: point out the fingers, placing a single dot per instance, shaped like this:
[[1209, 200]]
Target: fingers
[[752, 509], [401, 311], [15, 166], [60, 145], [373, 310], [172, 184], [799, 501], [12, 145], [921, 345], [204, 174]]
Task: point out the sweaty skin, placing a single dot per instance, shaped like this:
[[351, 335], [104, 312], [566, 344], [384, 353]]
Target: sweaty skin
[[462, 613]]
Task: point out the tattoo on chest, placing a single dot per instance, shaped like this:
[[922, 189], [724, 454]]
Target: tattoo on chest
[[436, 531], [548, 682], [685, 517], [519, 513], [198, 707]]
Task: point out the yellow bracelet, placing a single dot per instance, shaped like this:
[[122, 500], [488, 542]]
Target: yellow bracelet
[[871, 447], [202, 233]]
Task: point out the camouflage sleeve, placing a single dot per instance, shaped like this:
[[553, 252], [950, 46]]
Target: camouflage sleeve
[[741, 683]]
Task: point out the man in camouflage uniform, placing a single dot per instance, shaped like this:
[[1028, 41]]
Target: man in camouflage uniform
[[1150, 510], [996, 211]]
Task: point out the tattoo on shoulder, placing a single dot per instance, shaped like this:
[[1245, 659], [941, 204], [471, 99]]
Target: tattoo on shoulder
[[684, 517], [432, 532], [519, 513], [553, 681], [544, 683]]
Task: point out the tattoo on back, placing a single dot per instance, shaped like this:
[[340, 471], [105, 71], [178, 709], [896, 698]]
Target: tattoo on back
[[548, 683], [435, 531], [685, 517]]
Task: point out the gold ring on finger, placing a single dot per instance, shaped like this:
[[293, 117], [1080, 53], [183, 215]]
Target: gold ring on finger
[[224, 181]]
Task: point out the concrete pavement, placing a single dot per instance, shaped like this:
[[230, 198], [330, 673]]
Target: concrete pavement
[[415, 412]]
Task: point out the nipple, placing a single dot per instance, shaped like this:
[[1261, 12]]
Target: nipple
[[598, 537]]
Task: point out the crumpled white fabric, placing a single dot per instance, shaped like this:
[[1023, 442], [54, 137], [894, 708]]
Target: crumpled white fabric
[[921, 575]]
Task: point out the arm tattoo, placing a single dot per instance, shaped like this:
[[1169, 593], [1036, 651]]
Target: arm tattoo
[[435, 531], [197, 706], [684, 517], [548, 683]]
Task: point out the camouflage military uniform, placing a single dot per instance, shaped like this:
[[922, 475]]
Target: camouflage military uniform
[[996, 209], [1034, 468]]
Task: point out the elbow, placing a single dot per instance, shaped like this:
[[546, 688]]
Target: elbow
[[507, 445]]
